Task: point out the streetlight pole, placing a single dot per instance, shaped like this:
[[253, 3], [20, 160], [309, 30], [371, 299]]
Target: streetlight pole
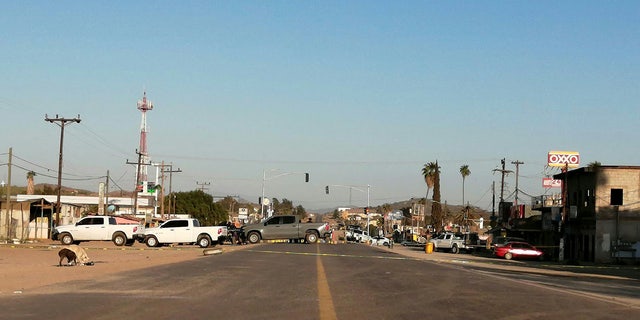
[[264, 179]]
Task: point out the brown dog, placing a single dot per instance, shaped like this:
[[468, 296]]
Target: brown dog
[[70, 255]]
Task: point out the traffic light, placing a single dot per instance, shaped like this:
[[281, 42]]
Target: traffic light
[[326, 189], [306, 177], [260, 200], [366, 210]]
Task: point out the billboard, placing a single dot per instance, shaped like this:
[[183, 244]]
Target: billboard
[[563, 158]]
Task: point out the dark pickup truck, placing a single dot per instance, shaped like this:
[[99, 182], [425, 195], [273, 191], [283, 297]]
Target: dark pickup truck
[[286, 227]]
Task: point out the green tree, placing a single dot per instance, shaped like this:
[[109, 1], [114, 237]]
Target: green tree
[[594, 164], [229, 203], [200, 206], [300, 211]]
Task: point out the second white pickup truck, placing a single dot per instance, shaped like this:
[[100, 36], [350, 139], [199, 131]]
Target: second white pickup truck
[[184, 231]]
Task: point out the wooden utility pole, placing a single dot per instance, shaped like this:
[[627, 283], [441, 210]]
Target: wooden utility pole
[[517, 163], [201, 186], [171, 200], [8, 195], [135, 189], [503, 171], [61, 122]]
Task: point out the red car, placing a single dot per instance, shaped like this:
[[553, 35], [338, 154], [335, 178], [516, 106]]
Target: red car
[[512, 250]]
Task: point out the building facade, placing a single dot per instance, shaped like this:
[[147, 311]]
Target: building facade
[[601, 216]]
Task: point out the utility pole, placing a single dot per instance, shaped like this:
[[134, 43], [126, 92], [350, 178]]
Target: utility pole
[[493, 200], [8, 195], [202, 185], [135, 189], [106, 193], [171, 171], [517, 163], [61, 122], [503, 171]]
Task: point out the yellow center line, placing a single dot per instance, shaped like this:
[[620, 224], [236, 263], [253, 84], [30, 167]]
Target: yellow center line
[[325, 301]]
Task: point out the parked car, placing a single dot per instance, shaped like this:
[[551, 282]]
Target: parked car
[[514, 250], [454, 242], [381, 241], [358, 235], [183, 231], [98, 228], [501, 241]]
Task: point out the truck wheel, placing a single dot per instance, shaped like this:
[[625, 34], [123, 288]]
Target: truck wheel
[[66, 238], [151, 241], [311, 237], [253, 237], [119, 239], [508, 256], [204, 241], [455, 249]]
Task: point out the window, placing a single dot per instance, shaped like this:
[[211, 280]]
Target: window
[[616, 197], [289, 220], [274, 220], [176, 224]]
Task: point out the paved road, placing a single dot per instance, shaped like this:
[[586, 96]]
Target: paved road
[[297, 281]]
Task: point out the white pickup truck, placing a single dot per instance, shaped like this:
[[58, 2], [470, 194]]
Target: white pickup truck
[[98, 228], [184, 231], [455, 242]]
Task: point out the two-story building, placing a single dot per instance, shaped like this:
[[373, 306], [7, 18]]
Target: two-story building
[[601, 220]]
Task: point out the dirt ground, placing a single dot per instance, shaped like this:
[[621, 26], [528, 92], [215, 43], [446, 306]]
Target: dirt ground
[[25, 267]]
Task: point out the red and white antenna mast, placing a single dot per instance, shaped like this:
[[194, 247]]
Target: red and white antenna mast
[[144, 106]]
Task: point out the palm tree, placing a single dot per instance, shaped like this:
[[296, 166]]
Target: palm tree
[[436, 207], [427, 172], [30, 185], [465, 172], [431, 174]]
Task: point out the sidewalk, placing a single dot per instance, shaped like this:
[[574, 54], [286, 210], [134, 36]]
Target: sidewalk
[[541, 267]]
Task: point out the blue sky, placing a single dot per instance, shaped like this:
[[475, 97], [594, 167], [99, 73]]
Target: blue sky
[[353, 92]]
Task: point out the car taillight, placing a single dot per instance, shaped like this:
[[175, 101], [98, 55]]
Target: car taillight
[[219, 230], [326, 227], [135, 229]]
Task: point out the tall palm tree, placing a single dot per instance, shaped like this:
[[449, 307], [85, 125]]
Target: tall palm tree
[[427, 172], [465, 172], [437, 217], [30, 184]]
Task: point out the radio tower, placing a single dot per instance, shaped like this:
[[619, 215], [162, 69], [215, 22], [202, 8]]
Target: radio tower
[[143, 106]]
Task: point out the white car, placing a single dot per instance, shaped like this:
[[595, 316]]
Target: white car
[[358, 235], [381, 241]]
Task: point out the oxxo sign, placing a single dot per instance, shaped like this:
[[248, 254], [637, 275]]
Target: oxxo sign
[[563, 158]]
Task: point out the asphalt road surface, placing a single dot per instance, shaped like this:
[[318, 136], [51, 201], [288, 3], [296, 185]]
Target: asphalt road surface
[[301, 281]]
